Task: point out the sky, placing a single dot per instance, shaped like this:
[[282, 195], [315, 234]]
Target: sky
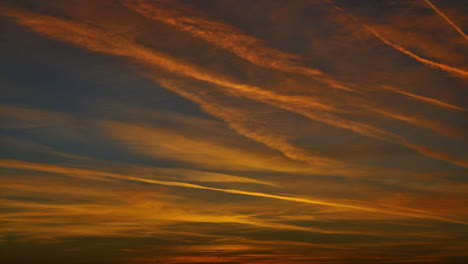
[[233, 131]]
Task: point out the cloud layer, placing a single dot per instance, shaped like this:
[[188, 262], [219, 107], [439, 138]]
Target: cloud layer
[[233, 132]]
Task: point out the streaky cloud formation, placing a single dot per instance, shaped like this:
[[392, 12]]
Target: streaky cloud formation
[[197, 151], [90, 173], [425, 99], [440, 13], [230, 38], [396, 46], [428, 62], [238, 120], [436, 126], [220, 131], [98, 41]]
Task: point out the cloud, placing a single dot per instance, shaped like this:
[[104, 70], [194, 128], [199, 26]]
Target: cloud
[[423, 122], [90, 174], [99, 41], [425, 99], [440, 13], [15, 117], [229, 38], [428, 62], [172, 145], [227, 149], [117, 208]]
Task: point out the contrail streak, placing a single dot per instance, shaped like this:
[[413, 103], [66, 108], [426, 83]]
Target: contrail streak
[[440, 13], [229, 38], [15, 164], [416, 57], [238, 121], [425, 99], [423, 122], [105, 42], [400, 48]]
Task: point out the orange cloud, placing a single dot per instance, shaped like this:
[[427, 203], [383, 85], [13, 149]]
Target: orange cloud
[[229, 38], [19, 117], [90, 174], [425, 99], [440, 13], [433, 125], [251, 182], [416, 57], [195, 150], [105, 42]]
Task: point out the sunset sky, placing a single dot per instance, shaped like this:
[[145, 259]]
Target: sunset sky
[[233, 131]]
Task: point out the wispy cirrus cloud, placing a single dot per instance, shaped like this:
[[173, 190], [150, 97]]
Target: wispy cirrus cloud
[[425, 61], [387, 40], [192, 137], [15, 117], [432, 101], [187, 148], [229, 38], [86, 173], [440, 13], [95, 40]]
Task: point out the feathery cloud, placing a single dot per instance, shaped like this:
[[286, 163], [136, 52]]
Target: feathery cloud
[[86, 173], [440, 13]]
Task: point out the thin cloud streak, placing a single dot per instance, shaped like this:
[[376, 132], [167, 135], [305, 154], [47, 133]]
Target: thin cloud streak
[[107, 206], [99, 41], [398, 47], [414, 56], [250, 52], [22, 165], [440, 13], [192, 150], [200, 136], [425, 99], [433, 125], [229, 38], [240, 122]]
